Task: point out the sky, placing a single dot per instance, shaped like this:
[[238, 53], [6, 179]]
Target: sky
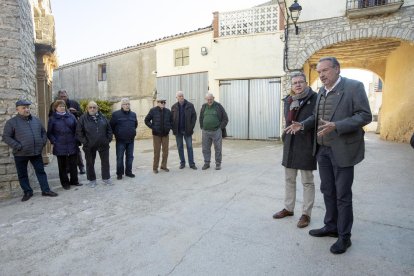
[[86, 28]]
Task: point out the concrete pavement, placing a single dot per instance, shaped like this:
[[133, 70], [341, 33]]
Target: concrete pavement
[[211, 222]]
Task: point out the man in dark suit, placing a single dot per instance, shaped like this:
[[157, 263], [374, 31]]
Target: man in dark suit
[[341, 110]]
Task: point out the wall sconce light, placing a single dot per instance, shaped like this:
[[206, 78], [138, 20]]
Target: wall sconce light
[[204, 51], [295, 10]]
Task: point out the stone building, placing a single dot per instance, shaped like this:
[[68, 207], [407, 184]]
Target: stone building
[[27, 61], [376, 35]]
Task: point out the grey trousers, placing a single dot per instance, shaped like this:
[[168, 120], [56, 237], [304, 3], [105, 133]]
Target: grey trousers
[[308, 190], [211, 137]]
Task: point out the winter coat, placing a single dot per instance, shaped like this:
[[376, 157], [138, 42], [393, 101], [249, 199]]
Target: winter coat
[[221, 113], [159, 120], [61, 131], [124, 124], [190, 117], [69, 104], [297, 148], [94, 133], [25, 135]]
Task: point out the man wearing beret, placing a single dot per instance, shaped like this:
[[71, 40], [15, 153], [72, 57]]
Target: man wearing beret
[[25, 134]]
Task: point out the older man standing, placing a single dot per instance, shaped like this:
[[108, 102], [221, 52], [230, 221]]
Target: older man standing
[[213, 122], [341, 110], [124, 124], [95, 134], [184, 120], [159, 119], [297, 150], [25, 134]]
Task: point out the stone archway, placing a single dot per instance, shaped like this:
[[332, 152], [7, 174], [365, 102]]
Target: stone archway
[[381, 44]]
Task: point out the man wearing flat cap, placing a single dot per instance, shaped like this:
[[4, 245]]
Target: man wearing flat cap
[[26, 135], [159, 119]]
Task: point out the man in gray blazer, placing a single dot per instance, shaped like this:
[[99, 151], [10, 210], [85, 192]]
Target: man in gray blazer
[[341, 110]]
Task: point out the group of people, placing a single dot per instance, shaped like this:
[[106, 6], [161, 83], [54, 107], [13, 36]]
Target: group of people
[[327, 129], [324, 128], [69, 128]]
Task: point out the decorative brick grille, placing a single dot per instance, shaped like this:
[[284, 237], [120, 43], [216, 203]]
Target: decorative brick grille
[[250, 21]]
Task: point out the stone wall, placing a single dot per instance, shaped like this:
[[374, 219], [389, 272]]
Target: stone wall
[[17, 77]]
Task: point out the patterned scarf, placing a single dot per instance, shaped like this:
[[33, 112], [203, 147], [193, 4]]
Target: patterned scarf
[[294, 104]]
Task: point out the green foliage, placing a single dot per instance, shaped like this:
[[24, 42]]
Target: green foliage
[[105, 107]]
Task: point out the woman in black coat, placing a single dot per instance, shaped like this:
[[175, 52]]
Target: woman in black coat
[[61, 132]]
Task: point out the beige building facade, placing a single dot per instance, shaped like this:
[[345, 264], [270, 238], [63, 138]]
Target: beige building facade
[[27, 61]]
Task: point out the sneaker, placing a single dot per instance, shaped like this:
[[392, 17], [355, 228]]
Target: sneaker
[[205, 166], [130, 175], [92, 183], [107, 182], [119, 176], [50, 193], [193, 167], [218, 166], [27, 196]]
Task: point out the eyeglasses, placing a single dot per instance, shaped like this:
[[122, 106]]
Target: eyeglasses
[[92, 107], [298, 82], [162, 102]]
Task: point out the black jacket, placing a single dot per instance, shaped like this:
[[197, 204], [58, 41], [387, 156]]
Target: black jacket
[[297, 149], [159, 120], [124, 125], [190, 116], [94, 134], [25, 135]]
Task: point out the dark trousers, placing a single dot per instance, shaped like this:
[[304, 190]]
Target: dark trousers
[[90, 156], [180, 146], [126, 149], [65, 164], [38, 166], [336, 187], [80, 160]]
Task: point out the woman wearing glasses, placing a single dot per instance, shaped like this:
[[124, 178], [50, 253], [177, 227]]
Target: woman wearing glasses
[[95, 134]]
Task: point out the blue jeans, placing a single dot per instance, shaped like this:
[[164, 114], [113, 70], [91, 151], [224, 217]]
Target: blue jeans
[[180, 146], [128, 150], [38, 166]]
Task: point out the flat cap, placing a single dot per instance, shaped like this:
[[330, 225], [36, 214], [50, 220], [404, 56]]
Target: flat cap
[[23, 102], [161, 99]]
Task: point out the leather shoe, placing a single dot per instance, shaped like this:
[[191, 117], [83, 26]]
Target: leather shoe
[[50, 193], [27, 196], [282, 214], [182, 166], [323, 232], [82, 171], [218, 166], [303, 221], [193, 167], [77, 184], [205, 166], [341, 245], [165, 169], [155, 171], [119, 176], [66, 187], [130, 175]]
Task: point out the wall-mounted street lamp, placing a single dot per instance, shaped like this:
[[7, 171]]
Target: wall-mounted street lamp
[[204, 51], [295, 10]]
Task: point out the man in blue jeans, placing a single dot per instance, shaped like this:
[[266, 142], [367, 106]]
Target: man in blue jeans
[[25, 134], [124, 123], [184, 119]]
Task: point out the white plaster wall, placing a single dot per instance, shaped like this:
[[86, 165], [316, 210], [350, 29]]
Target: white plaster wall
[[320, 9], [198, 63]]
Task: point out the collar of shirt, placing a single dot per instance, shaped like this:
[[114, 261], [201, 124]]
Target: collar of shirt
[[333, 87]]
